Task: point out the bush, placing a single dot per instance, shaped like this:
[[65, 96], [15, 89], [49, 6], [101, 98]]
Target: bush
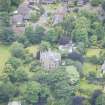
[[18, 50]]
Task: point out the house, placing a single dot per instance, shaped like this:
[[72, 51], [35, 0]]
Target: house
[[103, 67], [17, 24], [50, 60], [14, 103], [17, 19]]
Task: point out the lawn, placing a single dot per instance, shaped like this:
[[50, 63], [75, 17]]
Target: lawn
[[88, 67], [88, 88], [4, 55], [92, 52]]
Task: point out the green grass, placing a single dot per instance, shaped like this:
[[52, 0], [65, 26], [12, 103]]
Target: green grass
[[92, 52], [88, 88], [85, 85], [88, 67], [4, 55]]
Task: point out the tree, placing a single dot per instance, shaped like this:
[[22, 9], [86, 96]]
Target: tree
[[51, 36], [14, 62], [77, 100], [17, 50], [35, 16], [7, 91], [4, 19], [98, 30], [36, 36], [73, 75], [23, 40], [5, 5], [96, 94], [18, 75], [44, 46], [93, 40], [81, 29], [67, 25], [100, 100], [61, 83], [15, 2], [34, 93], [7, 36]]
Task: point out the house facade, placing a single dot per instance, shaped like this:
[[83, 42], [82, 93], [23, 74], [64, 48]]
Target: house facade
[[50, 60]]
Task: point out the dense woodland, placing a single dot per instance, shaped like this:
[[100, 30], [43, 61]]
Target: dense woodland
[[79, 79]]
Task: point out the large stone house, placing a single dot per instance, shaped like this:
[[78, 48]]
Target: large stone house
[[50, 60]]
